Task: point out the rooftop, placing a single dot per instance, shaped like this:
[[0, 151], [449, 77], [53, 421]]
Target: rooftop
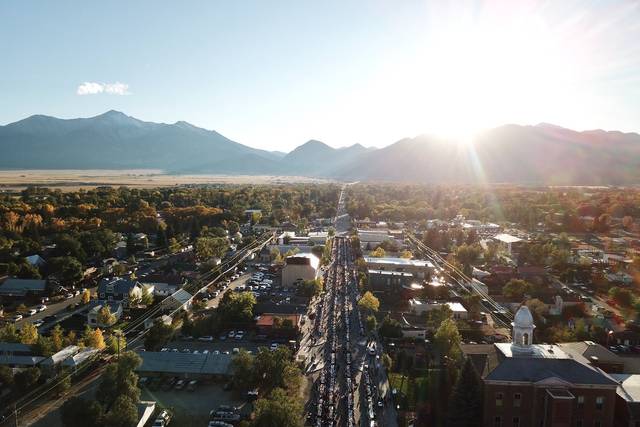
[[303, 259], [185, 363], [18, 287], [507, 238]]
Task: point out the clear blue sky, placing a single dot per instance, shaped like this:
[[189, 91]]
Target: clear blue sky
[[273, 74]]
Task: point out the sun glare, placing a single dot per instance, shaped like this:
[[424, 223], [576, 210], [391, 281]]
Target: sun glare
[[471, 76]]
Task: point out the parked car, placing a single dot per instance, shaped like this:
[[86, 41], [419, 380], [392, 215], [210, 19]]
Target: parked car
[[206, 338], [31, 312], [16, 317], [37, 323], [163, 419], [192, 385], [41, 308], [180, 384]]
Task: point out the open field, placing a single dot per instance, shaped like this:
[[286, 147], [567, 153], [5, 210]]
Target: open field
[[72, 180]]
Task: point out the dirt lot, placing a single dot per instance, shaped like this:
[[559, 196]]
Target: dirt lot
[[72, 180]]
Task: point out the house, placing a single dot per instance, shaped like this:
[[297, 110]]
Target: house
[[119, 289], [529, 385], [92, 315], [272, 324], [160, 289], [420, 269], [298, 268], [36, 261], [21, 288], [178, 299], [418, 306]]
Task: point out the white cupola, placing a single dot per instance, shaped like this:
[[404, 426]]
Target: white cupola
[[523, 327]]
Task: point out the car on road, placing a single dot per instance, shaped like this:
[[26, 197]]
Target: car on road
[[37, 323], [180, 384], [41, 308], [192, 385], [206, 338], [69, 295], [16, 317], [30, 312]]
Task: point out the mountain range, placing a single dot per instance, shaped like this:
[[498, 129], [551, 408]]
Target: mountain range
[[540, 154]]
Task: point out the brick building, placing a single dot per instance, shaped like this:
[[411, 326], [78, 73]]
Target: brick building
[[532, 385]]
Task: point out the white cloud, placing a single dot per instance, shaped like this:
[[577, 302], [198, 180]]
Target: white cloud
[[93, 88]]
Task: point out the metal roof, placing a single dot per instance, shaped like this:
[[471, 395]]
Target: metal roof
[[188, 363]]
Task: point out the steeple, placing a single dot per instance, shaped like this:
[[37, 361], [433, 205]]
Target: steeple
[[523, 327]]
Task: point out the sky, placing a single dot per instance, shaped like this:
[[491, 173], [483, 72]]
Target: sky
[[274, 74]]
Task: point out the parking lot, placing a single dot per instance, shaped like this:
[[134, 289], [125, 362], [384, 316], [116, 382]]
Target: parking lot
[[191, 408]]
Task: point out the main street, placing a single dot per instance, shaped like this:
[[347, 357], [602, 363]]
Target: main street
[[347, 381]]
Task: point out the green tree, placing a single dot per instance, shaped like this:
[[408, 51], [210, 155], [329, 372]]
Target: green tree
[[465, 405], [28, 334], [242, 366], [448, 339], [116, 343], [67, 268], [209, 247], [105, 317], [371, 323], [158, 335], [123, 413], [120, 379], [78, 412], [516, 289], [6, 376], [9, 333], [622, 297], [57, 338], [369, 302], [278, 410], [390, 328], [26, 379], [237, 307]]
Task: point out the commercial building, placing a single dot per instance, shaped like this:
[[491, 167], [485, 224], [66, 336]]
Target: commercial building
[[21, 288], [280, 325], [420, 269], [299, 267], [507, 242], [185, 365], [531, 385], [381, 281], [418, 306]]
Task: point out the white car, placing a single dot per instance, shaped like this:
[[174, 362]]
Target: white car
[[41, 308], [16, 317], [31, 312], [38, 323], [274, 346], [232, 334], [206, 338]]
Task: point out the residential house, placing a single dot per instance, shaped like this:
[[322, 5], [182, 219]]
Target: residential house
[[92, 315], [119, 289], [20, 288]]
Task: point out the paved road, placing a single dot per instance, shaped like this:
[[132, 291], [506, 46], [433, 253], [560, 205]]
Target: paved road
[[59, 309]]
